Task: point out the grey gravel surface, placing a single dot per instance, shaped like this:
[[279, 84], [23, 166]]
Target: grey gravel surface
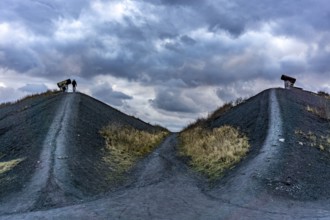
[[64, 168], [162, 186], [50, 174], [23, 129]]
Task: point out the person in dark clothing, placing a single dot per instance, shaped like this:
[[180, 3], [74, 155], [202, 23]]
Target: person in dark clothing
[[74, 85]]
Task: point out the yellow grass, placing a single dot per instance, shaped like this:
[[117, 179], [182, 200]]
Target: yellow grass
[[8, 165], [322, 112], [311, 139], [213, 151], [125, 145]]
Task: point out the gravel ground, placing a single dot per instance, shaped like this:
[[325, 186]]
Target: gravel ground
[[278, 179]]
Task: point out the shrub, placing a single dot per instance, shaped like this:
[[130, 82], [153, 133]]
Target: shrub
[[220, 111], [124, 145], [202, 122], [322, 112], [213, 151], [309, 138], [8, 165], [324, 94]]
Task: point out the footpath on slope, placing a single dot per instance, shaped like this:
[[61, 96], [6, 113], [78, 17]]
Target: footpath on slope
[[50, 182], [244, 184], [165, 188]]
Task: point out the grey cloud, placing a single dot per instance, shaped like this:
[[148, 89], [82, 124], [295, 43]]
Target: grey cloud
[[166, 35], [320, 62], [19, 59], [172, 100], [241, 89], [227, 94], [35, 17], [106, 93], [9, 94], [134, 56], [34, 88], [38, 15], [173, 46], [187, 40], [173, 2]]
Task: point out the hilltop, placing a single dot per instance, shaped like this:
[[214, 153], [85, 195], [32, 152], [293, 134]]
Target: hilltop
[[58, 134], [284, 174]]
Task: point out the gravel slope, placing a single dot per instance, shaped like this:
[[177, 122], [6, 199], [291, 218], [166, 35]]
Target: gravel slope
[[303, 171], [23, 129], [162, 186], [49, 180], [63, 156]]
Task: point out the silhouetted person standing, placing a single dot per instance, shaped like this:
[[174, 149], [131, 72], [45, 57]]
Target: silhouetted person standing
[[74, 85]]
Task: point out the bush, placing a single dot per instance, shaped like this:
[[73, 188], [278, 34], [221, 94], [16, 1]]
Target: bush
[[324, 94], [322, 112], [9, 165], [124, 145], [213, 151], [321, 142], [202, 122]]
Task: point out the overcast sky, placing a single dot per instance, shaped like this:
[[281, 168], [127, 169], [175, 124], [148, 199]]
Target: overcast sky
[[167, 62]]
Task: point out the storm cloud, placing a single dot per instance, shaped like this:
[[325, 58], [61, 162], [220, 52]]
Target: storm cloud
[[106, 93], [215, 46]]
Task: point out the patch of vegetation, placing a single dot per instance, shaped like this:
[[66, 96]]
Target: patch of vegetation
[[324, 94], [311, 139], [201, 122], [211, 152], [9, 165], [125, 145], [323, 109], [322, 112]]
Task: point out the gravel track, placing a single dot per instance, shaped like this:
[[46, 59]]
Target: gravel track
[[244, 185], [50, 179]]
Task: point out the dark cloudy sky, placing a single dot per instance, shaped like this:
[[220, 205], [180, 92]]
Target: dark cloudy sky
[[165, 61]]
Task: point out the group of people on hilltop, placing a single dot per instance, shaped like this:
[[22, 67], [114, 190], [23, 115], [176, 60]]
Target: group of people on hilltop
[[65, 84]]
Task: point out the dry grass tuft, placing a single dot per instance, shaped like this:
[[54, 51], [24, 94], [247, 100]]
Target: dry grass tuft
[[322, 112], [125, 145], [202, 122], [324, 94], [213, 151], [9, 165], [311, 139]]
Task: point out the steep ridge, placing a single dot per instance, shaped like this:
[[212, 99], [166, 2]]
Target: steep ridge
[[23, 128], [303, 171], [49, 176], [90, 174], [69, 155]]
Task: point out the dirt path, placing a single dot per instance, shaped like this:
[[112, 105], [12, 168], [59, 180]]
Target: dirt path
[[165, 188], [49, 183], [244, 184]]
